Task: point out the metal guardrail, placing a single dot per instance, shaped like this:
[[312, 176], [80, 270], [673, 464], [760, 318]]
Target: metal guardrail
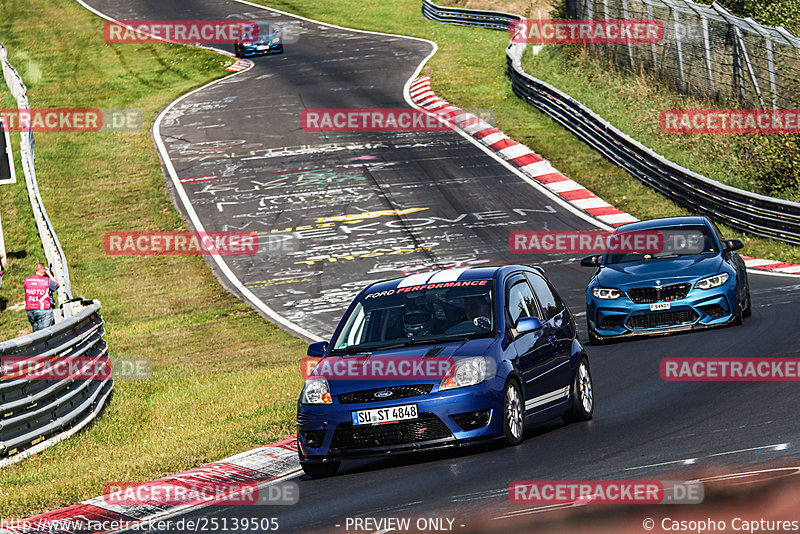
[[52, 248], [750, 212], [37, 413]]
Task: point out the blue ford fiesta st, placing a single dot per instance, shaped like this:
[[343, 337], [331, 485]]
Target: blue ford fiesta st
[[453, 357], [264, 39], [694, 280]]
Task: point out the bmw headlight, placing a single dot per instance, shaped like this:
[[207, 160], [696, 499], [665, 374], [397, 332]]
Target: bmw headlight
[[465, 372], [276, 40], [606, 293], [712, 281], [316, 391]]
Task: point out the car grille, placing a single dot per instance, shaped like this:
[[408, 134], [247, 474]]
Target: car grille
[[398, 392], [428, 427], [655, 320], [648, 295]]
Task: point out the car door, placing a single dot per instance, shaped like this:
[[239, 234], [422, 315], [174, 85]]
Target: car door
[[558, 321], [535, 351]]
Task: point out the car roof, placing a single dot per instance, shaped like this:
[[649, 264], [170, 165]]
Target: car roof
[[446, 275], [663, 223]]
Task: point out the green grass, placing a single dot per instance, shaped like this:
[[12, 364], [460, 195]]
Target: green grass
[[225, 380]]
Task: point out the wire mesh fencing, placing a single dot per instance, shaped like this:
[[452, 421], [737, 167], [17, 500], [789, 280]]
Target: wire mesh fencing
[[706, 50]]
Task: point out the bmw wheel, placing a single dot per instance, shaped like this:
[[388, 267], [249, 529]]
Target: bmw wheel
[[748, 309], [513, 413], [582, 395]]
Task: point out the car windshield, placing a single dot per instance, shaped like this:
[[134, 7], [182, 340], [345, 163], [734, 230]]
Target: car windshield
[[261, 33], [672, 241], [418, 314]]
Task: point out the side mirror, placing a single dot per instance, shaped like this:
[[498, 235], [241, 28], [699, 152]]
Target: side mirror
[[528, 324], [591, 261], [318, 348], [733, 244]]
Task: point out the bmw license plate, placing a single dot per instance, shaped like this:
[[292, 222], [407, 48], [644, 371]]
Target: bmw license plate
[[658, 306], [263, 47], [385, 415]]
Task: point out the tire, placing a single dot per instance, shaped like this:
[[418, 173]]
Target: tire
[[748, 310], [582, 406], [513, 413], [738, 314], [319, 470]]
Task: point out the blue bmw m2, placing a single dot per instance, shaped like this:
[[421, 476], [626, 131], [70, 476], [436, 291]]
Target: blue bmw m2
[[442, 359], [694, 280]]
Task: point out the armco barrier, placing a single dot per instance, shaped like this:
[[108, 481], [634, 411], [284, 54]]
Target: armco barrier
[[52, 248], [35, 414], [751, 212]]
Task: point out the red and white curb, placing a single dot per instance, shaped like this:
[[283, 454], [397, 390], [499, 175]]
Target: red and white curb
[[239, 65], [540, 170], [257, 466]]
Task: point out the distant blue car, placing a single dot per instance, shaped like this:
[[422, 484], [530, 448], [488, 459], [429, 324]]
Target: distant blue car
[[696, 280], [497, 350], [266, 40]]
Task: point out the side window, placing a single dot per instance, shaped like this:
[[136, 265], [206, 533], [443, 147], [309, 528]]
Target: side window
[[550, 302], [520, 301], [719, 234]]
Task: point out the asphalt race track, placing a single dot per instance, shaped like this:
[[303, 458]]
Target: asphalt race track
[[358, 207]]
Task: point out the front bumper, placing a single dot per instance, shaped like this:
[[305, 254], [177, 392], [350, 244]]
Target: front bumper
[[700, 308], [255, 50], [326, 432]]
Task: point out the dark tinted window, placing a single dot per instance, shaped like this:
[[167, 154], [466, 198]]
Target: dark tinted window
[[550, 302]]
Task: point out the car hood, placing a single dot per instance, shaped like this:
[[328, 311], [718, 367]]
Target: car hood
[[665, 270], [438, 351]]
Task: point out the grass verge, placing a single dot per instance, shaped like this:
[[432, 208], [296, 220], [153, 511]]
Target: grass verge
[[224, 379]]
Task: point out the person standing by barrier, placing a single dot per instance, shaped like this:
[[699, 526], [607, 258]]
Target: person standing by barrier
[[39, 301]]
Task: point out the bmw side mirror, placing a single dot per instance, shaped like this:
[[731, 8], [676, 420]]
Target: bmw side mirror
[[318, 348], [591, 261], [733, 244], [528, 324]]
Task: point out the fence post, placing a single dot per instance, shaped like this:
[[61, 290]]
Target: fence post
[[626, 16], [773, 88], [653, 48], [707, 45], [678, 45]]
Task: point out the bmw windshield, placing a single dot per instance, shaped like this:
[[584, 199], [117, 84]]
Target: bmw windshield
[[418, 314], [673, 241]]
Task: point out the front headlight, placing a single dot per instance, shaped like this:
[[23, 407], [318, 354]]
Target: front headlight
[[465, 372], [606, 293], [712, 281], [276, 40], [247, 43], [316, 391]]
